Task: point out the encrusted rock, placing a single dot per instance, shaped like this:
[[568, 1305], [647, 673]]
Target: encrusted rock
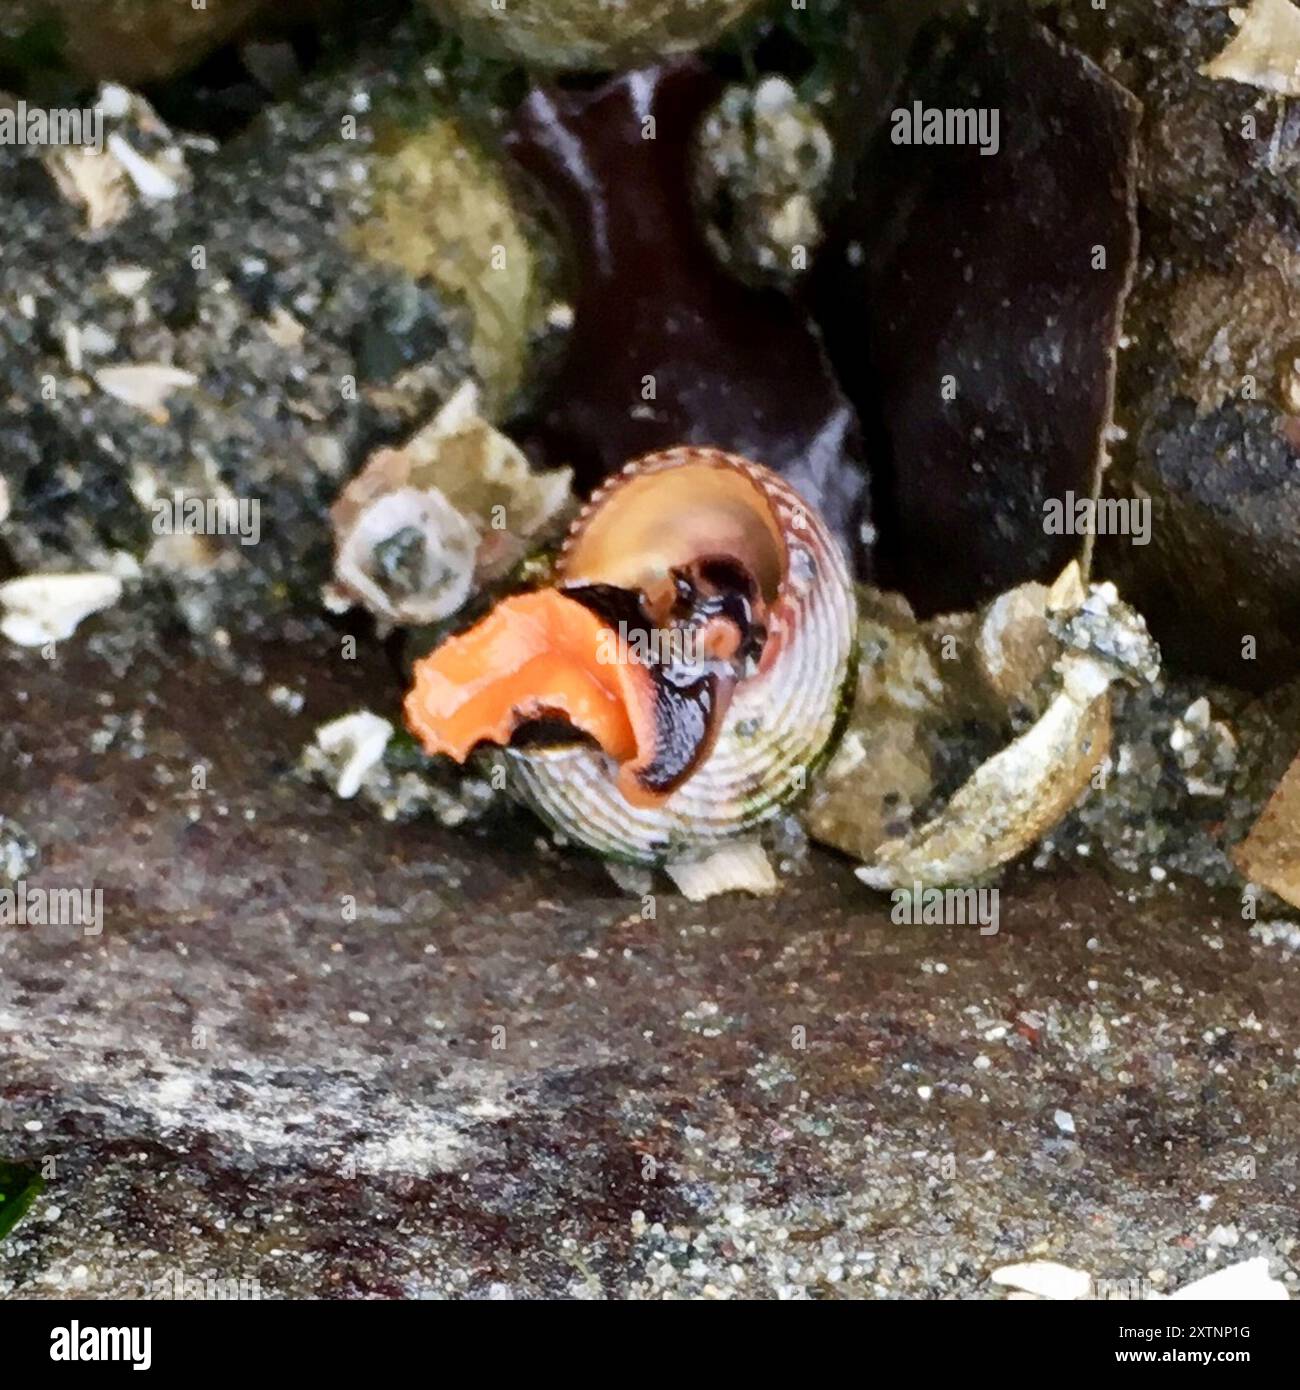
[[235, 342], [1265, 51], [883, 769], [762, 162], [596, 35], [443, 212], [136, 40], [1207, 386]]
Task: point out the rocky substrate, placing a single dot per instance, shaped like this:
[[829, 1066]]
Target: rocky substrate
[[498, 1077]]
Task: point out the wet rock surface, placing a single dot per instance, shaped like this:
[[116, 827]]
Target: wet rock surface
[[971, 297], [668, 348], [240, 1080], [1206, 388]]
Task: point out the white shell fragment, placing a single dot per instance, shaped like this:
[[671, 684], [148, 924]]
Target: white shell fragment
[[1045, 1279], [106, 183], [1246, 1282], [1017, 795], [150, 181], [41, 608], [742, 867], [353, 744], [145, 385], [1265, 51]]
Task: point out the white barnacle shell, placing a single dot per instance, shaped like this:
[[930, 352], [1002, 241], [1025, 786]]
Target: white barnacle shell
[[447, 544], [422, 527]]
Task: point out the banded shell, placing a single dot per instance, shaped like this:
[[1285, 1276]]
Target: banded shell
[[656, 518]]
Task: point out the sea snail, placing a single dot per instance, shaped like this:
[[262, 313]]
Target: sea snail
[[679, 683]]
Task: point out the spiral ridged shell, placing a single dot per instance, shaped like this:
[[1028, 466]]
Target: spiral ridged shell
[[780, 720]]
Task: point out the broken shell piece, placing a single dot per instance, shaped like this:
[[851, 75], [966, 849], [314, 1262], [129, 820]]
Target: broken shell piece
[[742, 867], [1270, 854], [93, 181], [1016, 796], [352, 746], [41, 608], [421, 527], [1013, 798], [140, 159], [1045, 1279], [1265, 51], [1246, 1282], [1014, 647], [145, 385]]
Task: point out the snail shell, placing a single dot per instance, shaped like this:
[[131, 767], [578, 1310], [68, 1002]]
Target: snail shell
[[720, 745]]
